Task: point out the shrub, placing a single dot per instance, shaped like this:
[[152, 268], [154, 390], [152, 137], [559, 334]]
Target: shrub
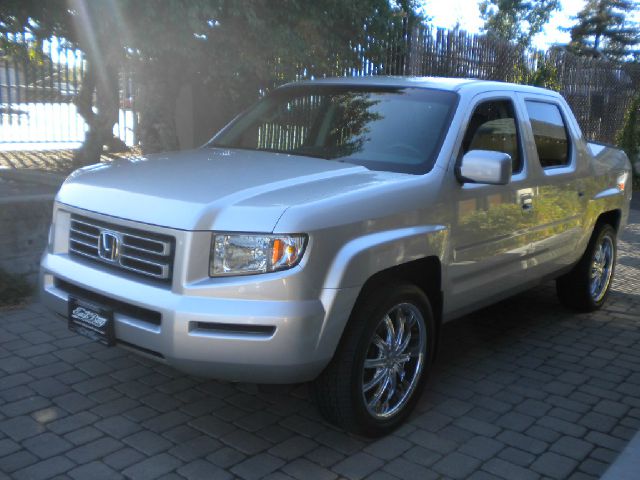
[[13, 288], [629, 138]]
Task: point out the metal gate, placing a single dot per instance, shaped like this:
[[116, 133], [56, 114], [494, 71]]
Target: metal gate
[[38, 83]]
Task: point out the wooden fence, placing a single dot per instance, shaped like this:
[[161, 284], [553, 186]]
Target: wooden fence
[[599, 91]]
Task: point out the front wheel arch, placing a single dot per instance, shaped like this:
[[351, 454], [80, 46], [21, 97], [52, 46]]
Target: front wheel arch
[[425, 273]]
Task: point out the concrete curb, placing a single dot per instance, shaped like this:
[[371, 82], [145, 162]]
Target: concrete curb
[[27, 198], [33, 176], [627, 465]]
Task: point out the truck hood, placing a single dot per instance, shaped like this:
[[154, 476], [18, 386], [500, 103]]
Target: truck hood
[[211, 189]]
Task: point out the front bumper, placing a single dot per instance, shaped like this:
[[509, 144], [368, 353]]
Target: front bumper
[[281, 342]]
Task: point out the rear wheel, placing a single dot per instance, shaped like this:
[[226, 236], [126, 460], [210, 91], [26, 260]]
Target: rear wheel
[[586, 287], [379, 369]]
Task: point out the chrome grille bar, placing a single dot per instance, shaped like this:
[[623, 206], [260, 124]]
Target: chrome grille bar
[[86, 243], [143, 253], [84, 234]]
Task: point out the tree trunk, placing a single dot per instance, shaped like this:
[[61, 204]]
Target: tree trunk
[[104, 83], [160, 82]]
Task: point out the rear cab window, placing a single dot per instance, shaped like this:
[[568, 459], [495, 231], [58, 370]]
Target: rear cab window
[[550, 133]]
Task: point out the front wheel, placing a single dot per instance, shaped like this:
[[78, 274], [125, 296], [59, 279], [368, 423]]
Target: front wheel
[[585, 288], [379, 369]]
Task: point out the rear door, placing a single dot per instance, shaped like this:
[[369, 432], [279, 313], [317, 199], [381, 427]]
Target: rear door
[[559, 198]]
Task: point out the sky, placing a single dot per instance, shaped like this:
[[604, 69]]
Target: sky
[[447, 13]]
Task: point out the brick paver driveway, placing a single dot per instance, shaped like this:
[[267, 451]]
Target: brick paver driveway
[[523, 389]]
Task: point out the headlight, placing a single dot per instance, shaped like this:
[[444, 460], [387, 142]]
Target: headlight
[[50, 239], [621, 181], [245, 254]]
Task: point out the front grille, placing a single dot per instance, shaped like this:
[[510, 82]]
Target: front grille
[[143, 253]]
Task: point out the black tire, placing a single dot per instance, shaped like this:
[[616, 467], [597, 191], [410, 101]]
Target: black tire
[[339, 390], [576, 289]]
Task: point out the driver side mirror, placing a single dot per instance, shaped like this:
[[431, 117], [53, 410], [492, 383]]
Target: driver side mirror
[[485, 166]]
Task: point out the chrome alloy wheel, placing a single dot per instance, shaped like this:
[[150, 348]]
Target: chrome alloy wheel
[[602, 268], [394, 361]]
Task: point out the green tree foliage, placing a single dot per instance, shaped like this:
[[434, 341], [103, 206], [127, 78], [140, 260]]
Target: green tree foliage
[[629, 136], [540, 71], [516, 20], [225, 50], [240, 48], [603, 28], [545, 74]]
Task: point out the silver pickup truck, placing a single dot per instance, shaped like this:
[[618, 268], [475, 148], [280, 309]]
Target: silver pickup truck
[[327, 233]]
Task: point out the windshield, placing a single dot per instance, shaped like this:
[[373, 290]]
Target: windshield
[[394, 129]]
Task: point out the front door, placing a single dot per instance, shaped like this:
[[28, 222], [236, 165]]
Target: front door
[[490, 233]]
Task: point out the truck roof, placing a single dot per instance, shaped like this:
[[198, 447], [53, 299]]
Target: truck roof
[[440, 83]]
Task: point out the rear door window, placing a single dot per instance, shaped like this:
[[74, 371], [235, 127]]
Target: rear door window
[[550, 134]]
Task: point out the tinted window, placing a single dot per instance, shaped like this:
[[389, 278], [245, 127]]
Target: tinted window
[[493, 127], [550, 134], [395, 129]]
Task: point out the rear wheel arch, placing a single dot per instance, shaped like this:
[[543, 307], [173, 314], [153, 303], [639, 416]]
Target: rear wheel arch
[[611, 217], [586, 286]]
